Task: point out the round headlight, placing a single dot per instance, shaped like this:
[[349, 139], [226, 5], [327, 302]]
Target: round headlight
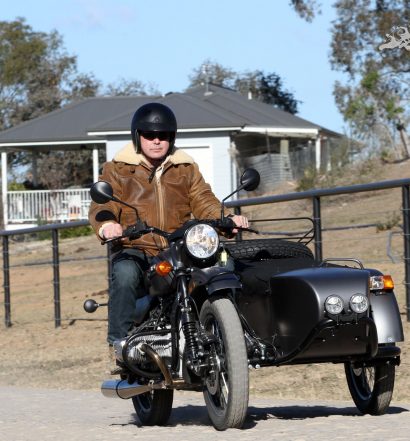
[[202, 241], [334, 305], [359, 303]]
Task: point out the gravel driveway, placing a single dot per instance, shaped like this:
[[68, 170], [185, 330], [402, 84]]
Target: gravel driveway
[[44, 414]]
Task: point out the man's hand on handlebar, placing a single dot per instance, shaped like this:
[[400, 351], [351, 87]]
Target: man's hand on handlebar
[[111, 231], [239, 221]]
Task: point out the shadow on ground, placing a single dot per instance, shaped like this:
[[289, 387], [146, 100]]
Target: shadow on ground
[[196, 415]]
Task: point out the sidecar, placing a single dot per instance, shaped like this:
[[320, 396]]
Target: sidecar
[[296, 310]]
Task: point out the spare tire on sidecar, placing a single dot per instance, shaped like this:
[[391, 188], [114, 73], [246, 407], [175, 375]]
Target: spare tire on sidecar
[[264, 249]]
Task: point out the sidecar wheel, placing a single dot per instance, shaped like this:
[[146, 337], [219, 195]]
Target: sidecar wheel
[[226, 382], [371, 387], [267, 249], [154, 408]]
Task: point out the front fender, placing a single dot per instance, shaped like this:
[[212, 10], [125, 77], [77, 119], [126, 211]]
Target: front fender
[[213, 279], [385, 313]]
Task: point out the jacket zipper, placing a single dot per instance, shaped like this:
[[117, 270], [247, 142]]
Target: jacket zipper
[[161, 210]]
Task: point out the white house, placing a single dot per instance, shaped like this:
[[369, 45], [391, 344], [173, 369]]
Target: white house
[[223, 130]]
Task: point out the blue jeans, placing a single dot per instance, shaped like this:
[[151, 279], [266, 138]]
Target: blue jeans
[[127, 285]]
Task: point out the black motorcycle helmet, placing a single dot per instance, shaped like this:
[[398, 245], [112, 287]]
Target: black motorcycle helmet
[[153, 117]]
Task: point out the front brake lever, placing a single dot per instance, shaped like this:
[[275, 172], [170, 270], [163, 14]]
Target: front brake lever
[[228, 224], [250, 230], [114, 239]]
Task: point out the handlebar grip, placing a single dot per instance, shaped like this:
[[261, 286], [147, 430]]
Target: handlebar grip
[[227, 222], [128, 231], [135, 231]]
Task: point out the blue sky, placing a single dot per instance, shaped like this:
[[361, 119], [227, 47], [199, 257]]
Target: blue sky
[[161, 42]]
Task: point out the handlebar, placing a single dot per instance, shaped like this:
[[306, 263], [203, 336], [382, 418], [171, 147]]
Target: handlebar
[[136, 231], [141, 228]]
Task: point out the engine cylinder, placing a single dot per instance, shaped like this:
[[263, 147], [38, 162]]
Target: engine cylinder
[[160, 343]]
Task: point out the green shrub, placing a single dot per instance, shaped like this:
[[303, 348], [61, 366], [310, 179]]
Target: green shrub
[[308, 181], [42, 235], [64, 233], [67, 233], [393, 220], [15, 186]]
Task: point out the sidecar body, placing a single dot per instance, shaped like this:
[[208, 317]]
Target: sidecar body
[[285, 306]]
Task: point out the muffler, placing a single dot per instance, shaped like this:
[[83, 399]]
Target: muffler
[[123, 389]]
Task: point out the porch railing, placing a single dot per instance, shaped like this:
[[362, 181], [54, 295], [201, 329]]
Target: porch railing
[[49, 206]]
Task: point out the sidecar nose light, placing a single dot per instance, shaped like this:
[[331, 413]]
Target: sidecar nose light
[[359, 303], [379, 283], [334, 305]]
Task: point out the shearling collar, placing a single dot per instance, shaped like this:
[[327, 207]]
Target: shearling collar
[[130, 156]]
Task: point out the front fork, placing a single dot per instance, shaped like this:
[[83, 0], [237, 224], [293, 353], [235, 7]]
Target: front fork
[[188, 321], [194, 349]]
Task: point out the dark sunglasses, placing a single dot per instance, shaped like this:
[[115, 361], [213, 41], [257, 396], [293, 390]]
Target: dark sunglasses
[[162, 136]]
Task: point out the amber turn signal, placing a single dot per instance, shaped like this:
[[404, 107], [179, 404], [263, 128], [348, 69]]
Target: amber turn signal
[[388, 282], [380, 283], [163, 268]]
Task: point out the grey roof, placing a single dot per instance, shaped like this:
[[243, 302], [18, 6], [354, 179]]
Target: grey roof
[[219, 108], [71, 123]]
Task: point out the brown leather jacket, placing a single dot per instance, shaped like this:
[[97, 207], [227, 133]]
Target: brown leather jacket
[[164, 198]]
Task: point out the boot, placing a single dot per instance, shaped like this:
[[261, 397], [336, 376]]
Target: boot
[[114, 369]]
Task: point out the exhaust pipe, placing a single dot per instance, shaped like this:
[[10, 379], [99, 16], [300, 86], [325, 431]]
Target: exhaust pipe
[[123, 389], [159, 362]]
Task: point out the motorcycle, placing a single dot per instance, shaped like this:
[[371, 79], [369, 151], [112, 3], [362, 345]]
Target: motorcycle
[[215, 308]]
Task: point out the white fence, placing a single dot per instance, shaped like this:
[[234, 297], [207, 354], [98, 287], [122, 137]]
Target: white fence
[[39, 206]]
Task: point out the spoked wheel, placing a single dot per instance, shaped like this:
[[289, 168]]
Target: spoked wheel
[[371, 387], [226, 390], [154, 408]]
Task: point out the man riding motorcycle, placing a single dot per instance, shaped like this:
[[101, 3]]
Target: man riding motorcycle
[[167, 188]]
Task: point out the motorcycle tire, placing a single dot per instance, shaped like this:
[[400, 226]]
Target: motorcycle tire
[[267, 249], [371, 387], [154, 408], [226, 384]]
